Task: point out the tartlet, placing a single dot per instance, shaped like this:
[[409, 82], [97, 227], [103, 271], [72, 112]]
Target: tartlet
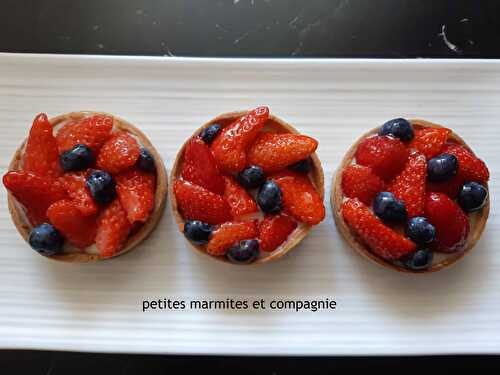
[[138, 231], [274, 125], [477, 219]]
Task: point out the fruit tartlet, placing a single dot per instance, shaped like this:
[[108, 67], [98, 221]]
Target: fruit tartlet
[[85, 186], [246, 187], [411, 196]]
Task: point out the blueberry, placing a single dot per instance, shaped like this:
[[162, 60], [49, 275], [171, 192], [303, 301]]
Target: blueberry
[[209, 133], [442, 167], [78, 158], [302, 166], [269, 197], [252, 177], [146, 161], [197, 231], [101, 186], [387, 207], [420, 230], [472, 196], [419, 260], [46, 239], [245, 251], [399, 128]]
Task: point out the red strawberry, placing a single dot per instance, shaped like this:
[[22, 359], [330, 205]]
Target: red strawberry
[[450, 187], [91, 131], [35, 193], [274, 230], [452, 225], [136, 191], [113, 229], [76, 187], [300, 198], [197, 203], [409, 186], [41, 156], [273, 151], [229, 233], [239, 200], [429, 141], [470, 167], [360, 182], [230, 146], [382, 240], [119, 153], [384, 154], [199, 167], [77, 229]]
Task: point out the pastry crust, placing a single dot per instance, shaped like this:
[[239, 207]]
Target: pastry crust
[[279, 126], [477, 219], [24, 227]]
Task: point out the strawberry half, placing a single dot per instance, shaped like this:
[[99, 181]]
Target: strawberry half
[[381, 239], [136, 191], [119, 153], [199, 167], [450, 187], [229, 233], [273, 151], [90, 131], [76, 187], [430, 141], [239, 200], [470, 167], [41, 156], [230, 146], [198, 203], [274, 230], [113, 229], [360, 182]]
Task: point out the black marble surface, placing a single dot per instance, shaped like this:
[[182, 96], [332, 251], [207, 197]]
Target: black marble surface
[[240, 28]]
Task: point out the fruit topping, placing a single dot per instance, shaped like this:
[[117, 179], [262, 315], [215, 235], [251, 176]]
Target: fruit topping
[[46, 239], [399, 128], [197, 232], [119, 153], [198, 203], [146, 161], [420, 231], [360, 182], [442, 167], [274, 230], [230, 146], [113, 229], [77, 189], [470, 167], [389, 208], [275, 151], [90, 131], [384, 154], [78, 158], [382, 240], [102, 186], [452, 225], [239, 200], [252, 177], [243, 252], [430, 141], [209, 133], [270, 197], [228, 234], [450, 187], [302, 166], [472, 196], [41, 156], [79, 230], [419, 260], [409, 185], [199, 167], [136, 191]]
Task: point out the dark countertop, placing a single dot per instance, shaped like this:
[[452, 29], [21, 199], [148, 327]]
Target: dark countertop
[[241, 28]]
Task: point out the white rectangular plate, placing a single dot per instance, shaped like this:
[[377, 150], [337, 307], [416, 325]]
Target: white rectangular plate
[[98, 307]]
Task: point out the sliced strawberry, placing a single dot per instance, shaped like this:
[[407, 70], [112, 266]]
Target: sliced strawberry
[[199, 167], [230, 146], [198, 203], [229, 233], [274, 230], [77, 229], [136, 191], [90, 131], [300, 198], [76, 187], [239, 200], [381, 239], [409, 186], [451, 223], [273, 152], [384, 154], [41, 156], [119, 153], [113, 229], [35, 193], [470, 167], [360, 182], [450, 187], [430, 141]]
